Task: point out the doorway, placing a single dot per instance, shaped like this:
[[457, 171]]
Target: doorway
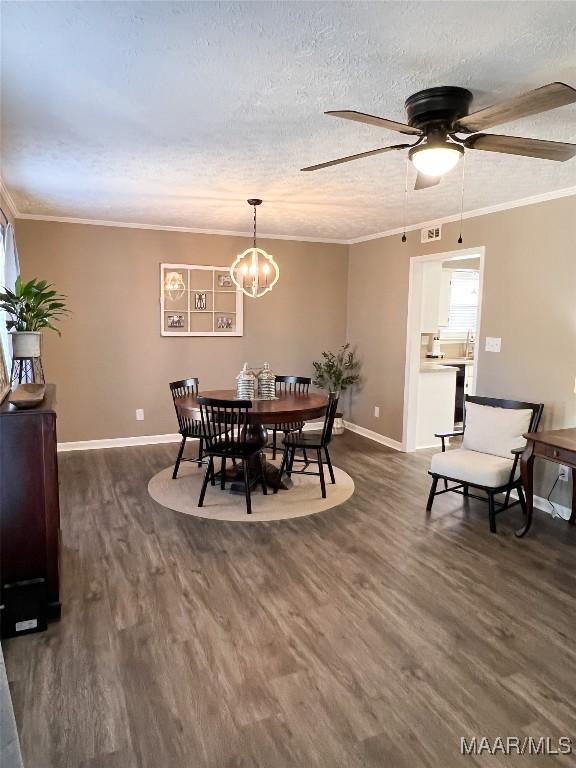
[[435, 380]]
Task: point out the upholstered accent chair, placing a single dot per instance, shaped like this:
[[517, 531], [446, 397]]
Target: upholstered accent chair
[[488, 459]]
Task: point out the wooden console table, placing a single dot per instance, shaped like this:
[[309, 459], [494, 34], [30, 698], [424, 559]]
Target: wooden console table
[[557, 445]]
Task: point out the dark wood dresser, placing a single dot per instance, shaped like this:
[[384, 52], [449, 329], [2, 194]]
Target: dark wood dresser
[[29, 517]]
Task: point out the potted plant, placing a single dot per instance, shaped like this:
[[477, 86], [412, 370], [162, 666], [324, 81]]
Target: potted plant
[[335, 373], [31, 307]]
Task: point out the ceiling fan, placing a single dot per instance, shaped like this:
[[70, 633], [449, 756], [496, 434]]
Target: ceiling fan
[[435, 116]]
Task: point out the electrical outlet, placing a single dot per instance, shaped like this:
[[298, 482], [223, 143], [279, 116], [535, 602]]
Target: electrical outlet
[[377, 411], [563, 473], [493, 344], [139, 414]]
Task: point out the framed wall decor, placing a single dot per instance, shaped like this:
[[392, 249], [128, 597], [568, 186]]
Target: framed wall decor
[[199, 301]]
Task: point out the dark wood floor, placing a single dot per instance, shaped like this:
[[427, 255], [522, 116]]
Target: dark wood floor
[[363, 636]]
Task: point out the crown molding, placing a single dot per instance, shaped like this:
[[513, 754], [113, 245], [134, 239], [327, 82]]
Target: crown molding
[[9, 199], [166, 228], [533, 200]]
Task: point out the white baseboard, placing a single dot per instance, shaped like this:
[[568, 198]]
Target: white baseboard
[[118, 442], [125, 442], [544, 505], [376, 436]]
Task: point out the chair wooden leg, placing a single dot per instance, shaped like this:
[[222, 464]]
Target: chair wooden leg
[[223, 475], [247, 487], [432, 494], [466, 490], [282, 468], [290, 464], [522, 499], [321, 470], [491, 513], [212, 474], [200, 452], [207, 474], [330, 468], [261, 460], [274, 443], [305, 457], [179, 458]]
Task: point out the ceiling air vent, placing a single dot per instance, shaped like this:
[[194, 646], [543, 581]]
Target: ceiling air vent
[[431, 233]]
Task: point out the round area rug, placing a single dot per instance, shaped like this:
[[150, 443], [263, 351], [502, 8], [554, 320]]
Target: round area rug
[[303, 499]]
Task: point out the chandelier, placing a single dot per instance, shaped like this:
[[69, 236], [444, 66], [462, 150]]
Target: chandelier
[[254, 271]]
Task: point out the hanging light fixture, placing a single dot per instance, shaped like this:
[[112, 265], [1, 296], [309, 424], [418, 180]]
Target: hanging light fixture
[[434, 158], [174, 285], [255, 272]]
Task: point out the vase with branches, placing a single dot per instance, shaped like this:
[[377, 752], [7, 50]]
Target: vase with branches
[[336, 372]]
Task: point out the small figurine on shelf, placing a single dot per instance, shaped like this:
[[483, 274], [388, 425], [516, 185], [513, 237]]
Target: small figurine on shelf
[[245, 384], [266, 383]]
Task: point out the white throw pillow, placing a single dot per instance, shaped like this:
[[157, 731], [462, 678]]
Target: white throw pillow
[[495, 430]]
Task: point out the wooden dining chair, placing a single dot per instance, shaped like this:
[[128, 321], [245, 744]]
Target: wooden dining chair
[[288, 385], [225, 430], [488, 458], [187, 427], [310, 441]]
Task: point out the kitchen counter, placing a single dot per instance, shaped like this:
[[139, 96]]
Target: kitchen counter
[[448, 360], [437, 368]]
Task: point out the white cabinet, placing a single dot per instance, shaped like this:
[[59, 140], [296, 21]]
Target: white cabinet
[[469, 380], [436, 398], [444, 301], [435, 297]]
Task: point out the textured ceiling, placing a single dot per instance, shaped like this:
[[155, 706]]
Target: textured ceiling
[[174, 113]]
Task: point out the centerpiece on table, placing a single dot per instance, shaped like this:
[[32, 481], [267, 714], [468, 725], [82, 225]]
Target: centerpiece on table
[[335, 373], [257, 383]]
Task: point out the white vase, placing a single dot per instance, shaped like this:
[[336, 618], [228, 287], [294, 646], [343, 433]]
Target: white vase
[[26, 343], [338, 428]]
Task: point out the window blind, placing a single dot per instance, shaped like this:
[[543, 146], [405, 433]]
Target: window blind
[[463, 311]]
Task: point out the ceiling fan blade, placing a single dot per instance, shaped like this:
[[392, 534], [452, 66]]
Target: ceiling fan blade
[[355, 157], [423, 182], [516, 145], [380, 122], [531, 103]]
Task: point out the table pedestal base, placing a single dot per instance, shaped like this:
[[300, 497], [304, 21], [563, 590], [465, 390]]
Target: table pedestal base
[[271, 474], [257, 435]]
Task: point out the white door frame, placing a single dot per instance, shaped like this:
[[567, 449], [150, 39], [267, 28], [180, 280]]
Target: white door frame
[[412, 366]]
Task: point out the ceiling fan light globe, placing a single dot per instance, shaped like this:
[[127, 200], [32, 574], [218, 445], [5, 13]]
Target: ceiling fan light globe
[[436, 160]]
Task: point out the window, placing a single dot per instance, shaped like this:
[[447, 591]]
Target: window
[[4, 339], [464, 291]]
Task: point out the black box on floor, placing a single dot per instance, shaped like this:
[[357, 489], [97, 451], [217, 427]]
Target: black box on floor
[[23, 608]]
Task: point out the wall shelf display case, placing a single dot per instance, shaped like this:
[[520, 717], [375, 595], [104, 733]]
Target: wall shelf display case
[[199, 301]]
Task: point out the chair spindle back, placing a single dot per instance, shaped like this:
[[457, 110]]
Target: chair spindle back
[[184, 388], [292, 385], [224, 422], [329, 417]]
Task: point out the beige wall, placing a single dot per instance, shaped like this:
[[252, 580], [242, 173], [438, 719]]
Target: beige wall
[[529, 300], [111, 358]]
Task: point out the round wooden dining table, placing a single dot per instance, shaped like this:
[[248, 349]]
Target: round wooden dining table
[[286, 408]]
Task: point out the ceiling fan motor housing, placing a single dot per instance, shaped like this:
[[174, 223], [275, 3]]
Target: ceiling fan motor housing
[[436, 110]]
